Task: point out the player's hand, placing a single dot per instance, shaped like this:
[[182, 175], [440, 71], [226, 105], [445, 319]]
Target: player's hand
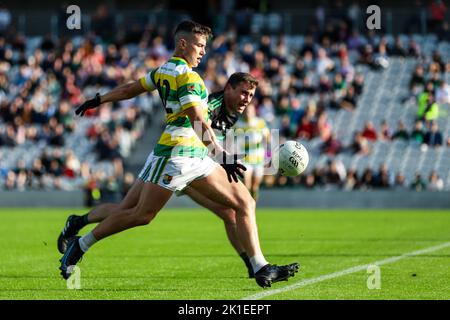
[[232, 166], [87, 105]]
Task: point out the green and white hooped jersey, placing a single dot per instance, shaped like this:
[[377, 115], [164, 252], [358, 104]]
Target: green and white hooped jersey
[[180, 88]]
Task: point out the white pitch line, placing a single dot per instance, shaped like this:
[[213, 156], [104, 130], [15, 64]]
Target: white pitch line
[[306, 282]]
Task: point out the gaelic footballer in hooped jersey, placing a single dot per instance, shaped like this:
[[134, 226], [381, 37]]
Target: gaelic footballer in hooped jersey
[[179, 88]]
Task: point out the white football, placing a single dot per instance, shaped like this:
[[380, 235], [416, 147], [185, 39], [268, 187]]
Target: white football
[[292, 158]]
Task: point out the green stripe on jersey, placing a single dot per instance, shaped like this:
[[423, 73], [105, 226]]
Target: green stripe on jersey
[[180, 151], [189, 88], [181, 122], [177, 62]]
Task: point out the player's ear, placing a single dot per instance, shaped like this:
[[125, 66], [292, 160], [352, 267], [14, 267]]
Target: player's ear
[[182, 43]]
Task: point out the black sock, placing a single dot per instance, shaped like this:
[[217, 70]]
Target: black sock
[[246, 260], [81, 221]]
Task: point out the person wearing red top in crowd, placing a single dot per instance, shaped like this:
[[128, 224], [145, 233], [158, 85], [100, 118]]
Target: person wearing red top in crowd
[[369, 131], [305, 129], [437, 11]]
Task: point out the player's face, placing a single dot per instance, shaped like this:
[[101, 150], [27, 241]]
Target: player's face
[[241, 96], [195, 49]]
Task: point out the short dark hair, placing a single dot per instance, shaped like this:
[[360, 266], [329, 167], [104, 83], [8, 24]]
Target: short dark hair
[[193, 27], [239, 77]]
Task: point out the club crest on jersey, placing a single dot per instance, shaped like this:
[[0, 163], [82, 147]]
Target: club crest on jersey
[[167, 179], [191, 88]]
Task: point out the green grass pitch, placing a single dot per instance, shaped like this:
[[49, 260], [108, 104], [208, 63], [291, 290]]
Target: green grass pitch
[[184, 254]]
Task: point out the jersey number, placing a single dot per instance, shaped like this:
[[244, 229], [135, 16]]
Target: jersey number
[[164, 92]]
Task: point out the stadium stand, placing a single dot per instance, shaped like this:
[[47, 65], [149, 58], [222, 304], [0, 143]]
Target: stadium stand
[[343, 94]]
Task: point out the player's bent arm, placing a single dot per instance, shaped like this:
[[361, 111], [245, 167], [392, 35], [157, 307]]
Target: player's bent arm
[[207, 135], [123, 92]]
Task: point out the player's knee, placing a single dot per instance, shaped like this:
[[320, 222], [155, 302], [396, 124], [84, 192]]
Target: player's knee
[[228, 216], [247, 205], [144, 219]]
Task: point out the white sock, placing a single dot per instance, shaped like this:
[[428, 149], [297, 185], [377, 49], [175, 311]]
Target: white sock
[[87, 241], [258, 262]]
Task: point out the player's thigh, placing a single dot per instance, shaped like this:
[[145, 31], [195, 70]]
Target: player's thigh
[[152, 199], [217, 188], [225, 213], [132, 197]]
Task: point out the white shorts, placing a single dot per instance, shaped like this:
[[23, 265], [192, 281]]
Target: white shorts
[[175, 173], [256, 170]]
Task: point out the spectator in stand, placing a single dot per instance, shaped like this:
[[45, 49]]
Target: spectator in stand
[[323, 64], [331, 146], [308, 86], [376, 61], [339, 85], [367, 182], [423, 98], [437, 10], [434, 182], [319, 176], [351, 181], [418, 134], [431, 111], [10, 182], [381, 57], [417, 80], [418, 184], [348, 101], [401, 132], [305, 128], [444, 32], [385, 131], [382, 180], [355, 41], [397, 49], [358, 84], [37, 171], [335, 174], [310, 181], [285, 128], [347, 70], [322, 127], [369, 131], [57, 137], [324, 84], [443, 93], [360, 145], [400, 182], [433, 138], [414, 49]]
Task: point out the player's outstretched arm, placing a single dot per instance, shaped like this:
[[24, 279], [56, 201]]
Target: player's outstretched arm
[[123, 92], [208, 137]]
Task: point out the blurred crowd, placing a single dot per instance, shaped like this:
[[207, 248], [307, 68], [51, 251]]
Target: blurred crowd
[[334, 176], [39, 90]]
